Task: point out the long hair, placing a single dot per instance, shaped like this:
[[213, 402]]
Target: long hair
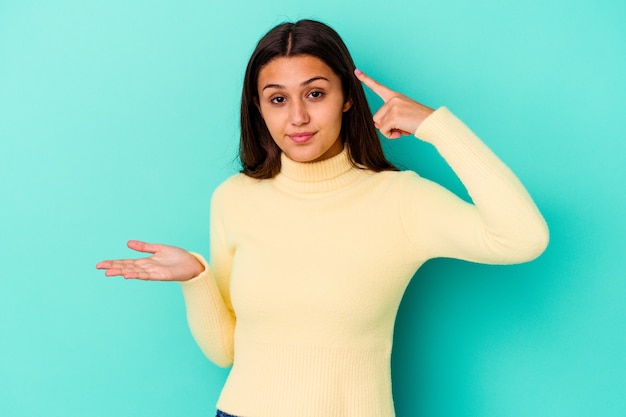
[[259, 154]]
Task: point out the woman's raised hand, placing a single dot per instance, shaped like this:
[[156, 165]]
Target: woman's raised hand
[[399, 115], [167, 263]]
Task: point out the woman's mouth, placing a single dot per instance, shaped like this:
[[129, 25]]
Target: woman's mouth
[[301, 137]]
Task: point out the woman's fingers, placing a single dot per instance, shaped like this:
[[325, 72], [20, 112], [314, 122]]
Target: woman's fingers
[[397, 133], [116, 263], [139, 275], [126, 267], [117, 267], [112, 272], [389, 118], [143, 268], [399, 115], [140, 246], [103, 265], [380, 90], [133, 271], [389, 124]]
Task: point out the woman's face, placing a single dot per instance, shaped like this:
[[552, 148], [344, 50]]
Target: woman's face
[[301, 100]]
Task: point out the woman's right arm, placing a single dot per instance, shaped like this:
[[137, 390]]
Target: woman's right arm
[[207, 297], [206, 289]]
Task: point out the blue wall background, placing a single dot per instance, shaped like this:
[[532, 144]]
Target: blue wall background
[[119, 118]]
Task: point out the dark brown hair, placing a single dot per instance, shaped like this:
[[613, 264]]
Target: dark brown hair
[[259, 154]]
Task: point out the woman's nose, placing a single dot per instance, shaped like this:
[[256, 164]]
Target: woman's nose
[[298, 114]]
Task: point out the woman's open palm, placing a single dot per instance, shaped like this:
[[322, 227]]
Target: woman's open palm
[[167, 263]]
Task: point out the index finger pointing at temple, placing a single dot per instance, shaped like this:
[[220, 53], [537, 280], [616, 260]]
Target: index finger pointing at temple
[[382, 91]]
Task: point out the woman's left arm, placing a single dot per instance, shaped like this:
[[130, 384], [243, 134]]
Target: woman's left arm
[[503, 225]]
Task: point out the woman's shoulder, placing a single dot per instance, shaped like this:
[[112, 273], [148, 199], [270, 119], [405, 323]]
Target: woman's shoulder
[[238, 180], [403, 181], [234, 187], [400, 176], [235, 183], [390, 182]]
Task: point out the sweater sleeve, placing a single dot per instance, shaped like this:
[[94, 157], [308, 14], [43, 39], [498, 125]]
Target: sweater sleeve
[[207, 298], [502, 226]]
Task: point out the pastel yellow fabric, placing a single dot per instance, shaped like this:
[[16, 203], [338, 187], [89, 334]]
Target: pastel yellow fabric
[[307, 270]]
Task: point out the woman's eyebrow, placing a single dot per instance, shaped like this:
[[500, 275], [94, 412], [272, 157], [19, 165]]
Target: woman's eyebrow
[[309, 81], [302, 84]]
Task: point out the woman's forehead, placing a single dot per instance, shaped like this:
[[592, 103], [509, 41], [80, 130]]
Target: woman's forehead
[[294, 71]]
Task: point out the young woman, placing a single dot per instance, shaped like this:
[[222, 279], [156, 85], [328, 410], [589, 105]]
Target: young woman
[[315, 241]]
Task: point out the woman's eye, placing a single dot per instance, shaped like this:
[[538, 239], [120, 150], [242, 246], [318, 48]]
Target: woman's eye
[[277, 100], [316, 94]]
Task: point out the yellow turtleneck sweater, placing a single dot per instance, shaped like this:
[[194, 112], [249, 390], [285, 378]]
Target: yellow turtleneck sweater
[[307, 270]]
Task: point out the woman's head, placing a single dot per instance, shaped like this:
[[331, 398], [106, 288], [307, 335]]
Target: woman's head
[[259, 153]]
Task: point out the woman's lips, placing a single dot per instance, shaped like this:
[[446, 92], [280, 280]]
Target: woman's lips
[[302, 137]]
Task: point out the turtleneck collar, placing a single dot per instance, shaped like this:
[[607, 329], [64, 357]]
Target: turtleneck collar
[[318, 177]]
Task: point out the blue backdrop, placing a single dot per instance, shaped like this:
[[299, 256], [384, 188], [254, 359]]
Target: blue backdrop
[[119, 118]]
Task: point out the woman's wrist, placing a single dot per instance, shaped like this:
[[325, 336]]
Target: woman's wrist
[[196, 267]]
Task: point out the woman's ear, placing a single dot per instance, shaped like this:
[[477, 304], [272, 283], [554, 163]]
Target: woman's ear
[[256, 103], [347, 105]]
